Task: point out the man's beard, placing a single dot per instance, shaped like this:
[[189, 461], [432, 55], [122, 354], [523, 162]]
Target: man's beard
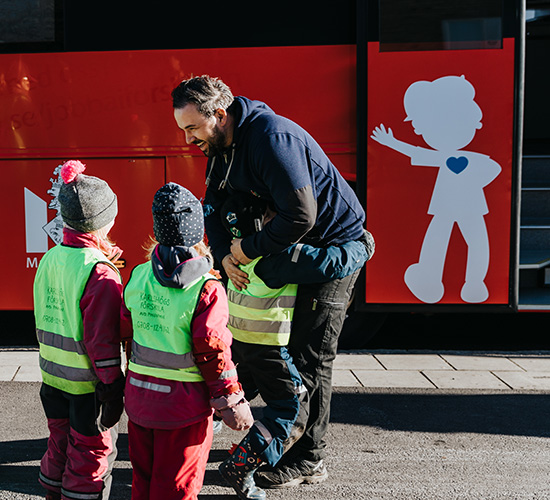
[[216, 144]]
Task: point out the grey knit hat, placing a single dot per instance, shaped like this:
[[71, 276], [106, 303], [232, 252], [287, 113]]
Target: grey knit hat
[[178, 218], [87, 203]]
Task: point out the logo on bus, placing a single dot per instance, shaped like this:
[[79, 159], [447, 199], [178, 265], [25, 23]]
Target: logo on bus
[[37, 227]]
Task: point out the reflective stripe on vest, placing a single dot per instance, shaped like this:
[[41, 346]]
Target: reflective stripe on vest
[[58, 287], [161, 320], [259, 314]]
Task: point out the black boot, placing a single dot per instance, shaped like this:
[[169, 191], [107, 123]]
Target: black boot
[[238, 471]]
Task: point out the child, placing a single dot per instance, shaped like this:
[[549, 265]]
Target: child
[[77, 298], [180, 366], [445, 114], [260, 319]]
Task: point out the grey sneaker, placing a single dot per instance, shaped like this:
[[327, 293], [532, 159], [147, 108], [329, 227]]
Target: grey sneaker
[[286, 475]]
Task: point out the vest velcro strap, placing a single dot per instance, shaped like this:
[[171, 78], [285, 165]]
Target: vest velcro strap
[[228, 374], [67, 372], [60, 342], [146, 356], [150, 385], [106, 363], [283, 301], [259, 325]]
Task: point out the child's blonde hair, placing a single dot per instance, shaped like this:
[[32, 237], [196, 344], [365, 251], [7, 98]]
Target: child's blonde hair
[[201, 248]]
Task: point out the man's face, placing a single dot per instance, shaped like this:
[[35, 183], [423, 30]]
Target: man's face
[[206, 133]]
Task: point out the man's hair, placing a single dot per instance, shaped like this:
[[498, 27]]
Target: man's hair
[[206, 92]]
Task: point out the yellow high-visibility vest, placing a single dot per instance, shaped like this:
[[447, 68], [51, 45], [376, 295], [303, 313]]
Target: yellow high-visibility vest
[[58, 288], [259, 314], [161, 320]]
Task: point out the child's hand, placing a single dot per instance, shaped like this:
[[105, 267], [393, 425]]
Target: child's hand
[[383, 136], [234, 409], [237, 251], [238, 278]]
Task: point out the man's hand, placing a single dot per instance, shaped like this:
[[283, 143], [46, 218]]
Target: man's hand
[[238, 278]]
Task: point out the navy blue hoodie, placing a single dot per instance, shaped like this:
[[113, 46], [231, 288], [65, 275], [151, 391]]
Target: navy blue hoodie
[[277, 160]]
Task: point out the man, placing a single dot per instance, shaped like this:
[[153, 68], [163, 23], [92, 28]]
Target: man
[[250, 149]]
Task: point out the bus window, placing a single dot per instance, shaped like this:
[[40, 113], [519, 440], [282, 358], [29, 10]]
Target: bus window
[[443, 25], [28, 25]]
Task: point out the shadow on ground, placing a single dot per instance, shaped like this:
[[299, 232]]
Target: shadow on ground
[[508, 413]]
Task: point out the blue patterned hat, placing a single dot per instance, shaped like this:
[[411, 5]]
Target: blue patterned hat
[[178, 218]]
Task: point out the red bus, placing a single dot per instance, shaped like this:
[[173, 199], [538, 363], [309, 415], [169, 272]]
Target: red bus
[[93, 83]]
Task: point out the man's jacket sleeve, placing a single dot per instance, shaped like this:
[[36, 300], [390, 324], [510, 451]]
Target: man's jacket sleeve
[[284, 165]]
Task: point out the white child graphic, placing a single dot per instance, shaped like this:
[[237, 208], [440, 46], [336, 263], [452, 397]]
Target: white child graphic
[[445, 114]]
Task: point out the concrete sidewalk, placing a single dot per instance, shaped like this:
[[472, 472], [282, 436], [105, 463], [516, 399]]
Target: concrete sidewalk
[[526, 371]]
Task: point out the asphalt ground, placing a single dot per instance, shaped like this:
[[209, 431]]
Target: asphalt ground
[[394, 444]]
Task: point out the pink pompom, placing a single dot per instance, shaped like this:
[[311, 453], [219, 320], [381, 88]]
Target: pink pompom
[[71, 169]]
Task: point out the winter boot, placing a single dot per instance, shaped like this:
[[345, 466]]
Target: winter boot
[[238, 471]]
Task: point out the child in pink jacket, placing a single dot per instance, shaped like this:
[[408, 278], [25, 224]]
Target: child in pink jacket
[[77, 298], [180, 368]]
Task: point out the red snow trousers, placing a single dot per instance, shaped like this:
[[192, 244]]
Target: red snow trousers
[[79, 458], [169, 464]]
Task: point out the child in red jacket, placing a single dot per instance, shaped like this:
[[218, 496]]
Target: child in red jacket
[[77, 298], [180, 367]]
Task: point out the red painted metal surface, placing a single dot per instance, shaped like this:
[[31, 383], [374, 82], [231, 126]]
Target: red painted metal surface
[[118, 103], [113, 111], [399, 193]]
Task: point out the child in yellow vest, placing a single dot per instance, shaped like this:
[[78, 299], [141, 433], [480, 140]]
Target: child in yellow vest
[[180, 368], [260, 319], [77, 298]]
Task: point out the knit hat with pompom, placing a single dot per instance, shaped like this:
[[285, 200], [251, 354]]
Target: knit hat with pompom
[[87, 203]]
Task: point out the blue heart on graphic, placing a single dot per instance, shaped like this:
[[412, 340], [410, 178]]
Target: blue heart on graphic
[[457, 165]]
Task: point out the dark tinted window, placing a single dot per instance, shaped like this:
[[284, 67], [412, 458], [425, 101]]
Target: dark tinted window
[[440, 25], [77, 25], [27, 21]]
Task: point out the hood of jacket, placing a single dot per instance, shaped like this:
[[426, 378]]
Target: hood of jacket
[[245, 112], [177, 267]]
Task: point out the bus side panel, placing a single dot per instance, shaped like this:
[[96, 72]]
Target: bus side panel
[[118, 103], [401, 189], [113, 111]]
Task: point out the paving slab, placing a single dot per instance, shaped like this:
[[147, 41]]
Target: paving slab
[[445, 379], [532, 364], [28, 373], [405, 379], [7, 372], [484, 363], [413, 362], [344, 378], [539, 381], [17, 357], [357, 361]]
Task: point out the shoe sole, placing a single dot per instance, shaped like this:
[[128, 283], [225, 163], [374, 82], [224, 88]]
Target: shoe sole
[[296, 482], [228, 478]]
